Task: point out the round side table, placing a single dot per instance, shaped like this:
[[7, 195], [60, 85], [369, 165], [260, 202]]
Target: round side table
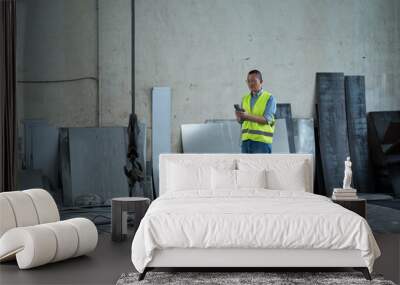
[[120, 207]]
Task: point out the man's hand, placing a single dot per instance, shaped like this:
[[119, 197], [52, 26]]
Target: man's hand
[[253, 118], [240, 116], [243, 116]]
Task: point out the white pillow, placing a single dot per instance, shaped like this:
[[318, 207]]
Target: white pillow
[[251, 178], [188, 177], [223, 179], [293, 179]]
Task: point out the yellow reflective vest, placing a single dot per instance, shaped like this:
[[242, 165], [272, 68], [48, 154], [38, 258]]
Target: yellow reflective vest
[[252, 130]]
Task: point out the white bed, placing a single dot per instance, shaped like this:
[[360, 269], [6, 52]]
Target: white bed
[[220, 218]]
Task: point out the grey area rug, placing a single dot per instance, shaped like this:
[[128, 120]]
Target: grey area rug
[[226, 278]]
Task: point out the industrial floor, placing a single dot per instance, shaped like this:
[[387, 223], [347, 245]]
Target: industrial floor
[[111, 259]]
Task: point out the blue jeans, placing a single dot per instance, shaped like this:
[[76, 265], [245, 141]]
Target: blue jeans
[[249, 146]]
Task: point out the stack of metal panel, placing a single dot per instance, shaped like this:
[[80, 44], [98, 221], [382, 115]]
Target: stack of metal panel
[[342, 128]]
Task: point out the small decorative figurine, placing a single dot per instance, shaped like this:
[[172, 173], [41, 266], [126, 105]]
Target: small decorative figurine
[[347, 174]]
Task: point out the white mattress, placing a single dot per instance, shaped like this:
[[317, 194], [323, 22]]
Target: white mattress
[[252, 219]]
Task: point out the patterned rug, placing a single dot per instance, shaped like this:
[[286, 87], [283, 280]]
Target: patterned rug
[[243, 278]]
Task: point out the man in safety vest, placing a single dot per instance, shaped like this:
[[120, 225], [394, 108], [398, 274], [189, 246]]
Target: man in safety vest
[[257, 116]]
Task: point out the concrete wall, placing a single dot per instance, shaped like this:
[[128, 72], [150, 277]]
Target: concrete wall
[[57, 60], [74, 61], [115, 62], [203, 50]]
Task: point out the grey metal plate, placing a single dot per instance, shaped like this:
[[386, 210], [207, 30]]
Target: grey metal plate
[[232, 131], [161, 128], [41, 149], [29, 124], [382, 120], [332, 128], [357, 132], [96, 160], [284, 111], [29, 178], [209, 138], [304, 139], [281, 142]]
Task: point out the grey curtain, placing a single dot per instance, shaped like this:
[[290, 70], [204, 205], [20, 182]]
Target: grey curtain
[[8, 125]]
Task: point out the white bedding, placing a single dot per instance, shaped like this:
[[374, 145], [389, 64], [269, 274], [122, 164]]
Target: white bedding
[[251, 218]]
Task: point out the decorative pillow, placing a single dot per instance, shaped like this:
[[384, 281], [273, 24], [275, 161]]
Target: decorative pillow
[[251, 178], [223, 179]]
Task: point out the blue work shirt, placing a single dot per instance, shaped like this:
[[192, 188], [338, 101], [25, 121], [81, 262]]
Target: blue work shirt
[[270, 109]]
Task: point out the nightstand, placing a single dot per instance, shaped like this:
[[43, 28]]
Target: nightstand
[[358, 206], [120, 208]]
